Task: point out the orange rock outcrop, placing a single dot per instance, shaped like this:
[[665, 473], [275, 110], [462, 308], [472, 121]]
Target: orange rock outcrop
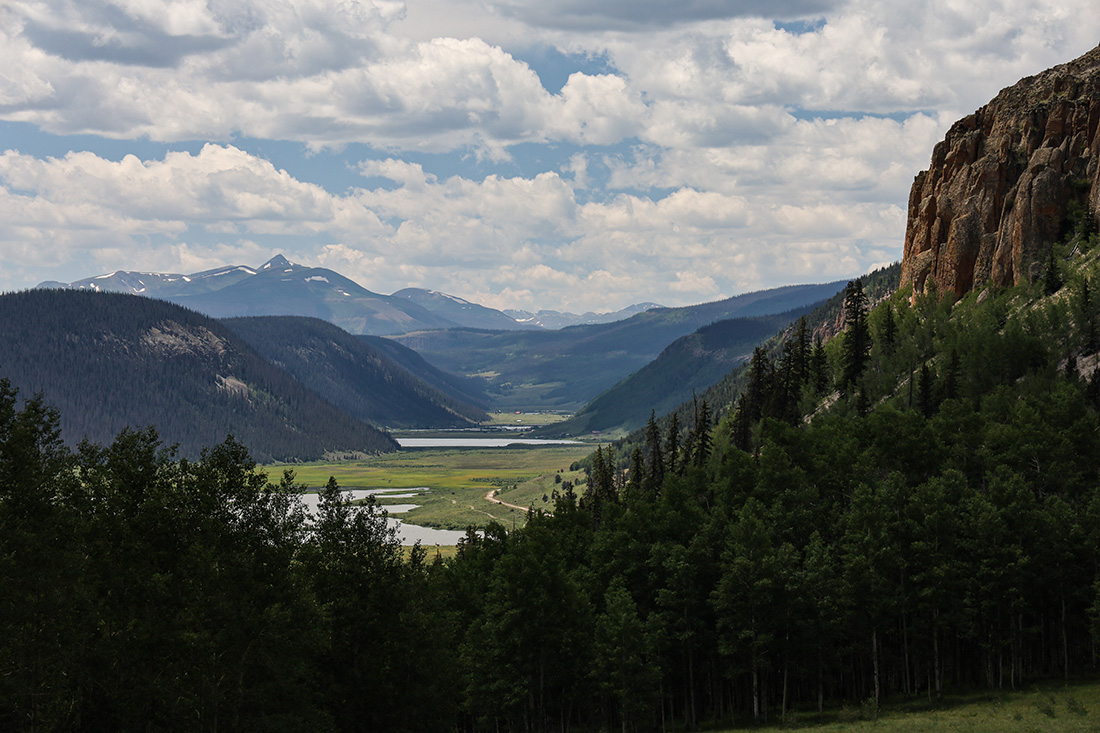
[[1000, 185]]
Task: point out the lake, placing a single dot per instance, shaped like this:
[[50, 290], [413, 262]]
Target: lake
[[458, 442]]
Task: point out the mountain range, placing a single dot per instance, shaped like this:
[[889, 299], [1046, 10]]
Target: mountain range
[[483, 357], [567, 368], [553, 320], [282, 288]]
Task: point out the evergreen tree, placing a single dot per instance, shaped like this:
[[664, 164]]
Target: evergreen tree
[[601, 489], [819, 368], [702, 442], [655, 462], [1052, 277], [889, 332], [950, 376], [672, 444], [803, 351], [856, 346], [925, 401], [1086, 317], [635, 484]]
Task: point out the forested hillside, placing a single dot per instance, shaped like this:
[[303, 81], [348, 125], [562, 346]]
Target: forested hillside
[[934, 526], [818, 325], [109, 361], [690, 364], [352, 374], [468, 389]]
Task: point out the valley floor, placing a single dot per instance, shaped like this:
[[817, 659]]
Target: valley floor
[[456, 487]]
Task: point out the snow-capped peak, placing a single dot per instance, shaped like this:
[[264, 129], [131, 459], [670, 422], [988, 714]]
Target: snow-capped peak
[[276, 261]]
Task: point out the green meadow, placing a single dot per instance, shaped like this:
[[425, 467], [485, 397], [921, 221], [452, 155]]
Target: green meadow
[[452, 483], [526, 419], [1038, 708]]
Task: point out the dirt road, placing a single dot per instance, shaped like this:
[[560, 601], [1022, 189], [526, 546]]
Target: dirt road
[[492, 496]]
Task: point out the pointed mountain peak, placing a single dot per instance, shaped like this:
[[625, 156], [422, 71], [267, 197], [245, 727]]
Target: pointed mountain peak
[[276, 261]]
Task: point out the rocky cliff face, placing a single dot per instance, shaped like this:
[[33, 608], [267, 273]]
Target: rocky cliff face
[[1002, 184]]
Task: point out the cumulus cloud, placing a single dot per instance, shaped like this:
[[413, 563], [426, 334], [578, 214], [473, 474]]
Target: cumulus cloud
[[472, 237], [217, 186], [714, 149], [332, 72]]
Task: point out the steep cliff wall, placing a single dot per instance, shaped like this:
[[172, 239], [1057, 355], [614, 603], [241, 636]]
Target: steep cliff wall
[[1000, 186]]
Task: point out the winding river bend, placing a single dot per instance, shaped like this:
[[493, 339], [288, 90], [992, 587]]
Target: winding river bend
[[410, 534]]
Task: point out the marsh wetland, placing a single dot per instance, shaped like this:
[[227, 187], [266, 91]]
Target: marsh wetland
[[453, 483]]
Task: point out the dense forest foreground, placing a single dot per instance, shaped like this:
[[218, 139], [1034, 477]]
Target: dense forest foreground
[[908, 509]]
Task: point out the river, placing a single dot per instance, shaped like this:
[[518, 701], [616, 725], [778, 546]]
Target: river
[[410, 534]]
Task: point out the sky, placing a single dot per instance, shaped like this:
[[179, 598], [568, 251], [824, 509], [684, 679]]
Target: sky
[[567, 154]]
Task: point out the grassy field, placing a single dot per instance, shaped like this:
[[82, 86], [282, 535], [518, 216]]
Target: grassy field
[[453, 482], [1052, 706], [526, 419]]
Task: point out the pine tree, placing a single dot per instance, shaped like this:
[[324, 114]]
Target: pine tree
[[601, 485], [1086, 318], [672, 444], [819, 367], [702, 435], [1052, 278], [951, 376], [635, 479], [803, 351], [655, 462], [857, 336], [924, 392], [889, 328]]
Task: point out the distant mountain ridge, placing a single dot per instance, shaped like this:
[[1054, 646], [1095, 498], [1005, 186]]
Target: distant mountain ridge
[[108, 361], [551, 319], [825, 320], [690, 364], [462, 312], [566, 369], [280, 287], [157, 284], [466, 389]]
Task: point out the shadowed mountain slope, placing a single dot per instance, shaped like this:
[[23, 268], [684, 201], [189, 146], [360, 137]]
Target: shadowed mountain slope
[[352, 373], [689, 365], [467, 389], [109, 361], [566, 369]]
